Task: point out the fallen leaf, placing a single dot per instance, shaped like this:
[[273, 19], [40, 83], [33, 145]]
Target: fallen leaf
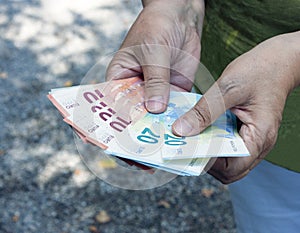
[[206, 192], [107, 163], [3, 75], [16, 218], [77, 172], [93, 229], [102, 217], [68, 83], [164, 204]]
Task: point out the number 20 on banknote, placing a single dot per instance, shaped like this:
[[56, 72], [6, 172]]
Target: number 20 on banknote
[[147, 136]]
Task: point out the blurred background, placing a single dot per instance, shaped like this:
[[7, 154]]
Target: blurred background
[[44, 185]]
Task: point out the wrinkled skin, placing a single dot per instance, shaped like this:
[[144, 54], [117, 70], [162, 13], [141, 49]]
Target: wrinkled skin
[[254, 86], [164, 36]]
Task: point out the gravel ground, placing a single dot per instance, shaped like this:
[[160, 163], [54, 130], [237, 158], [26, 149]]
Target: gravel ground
[[44, 185]]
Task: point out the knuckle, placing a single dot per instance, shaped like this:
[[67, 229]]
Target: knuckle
[[230, 171], [229, 87], [232, 176], [265, 137], [255, 141], [202, 115], [270, 139], [156, 86], [223, 176], [153, 54], [156, 81]]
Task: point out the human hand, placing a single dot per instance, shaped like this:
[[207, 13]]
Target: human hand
[[254, 87], [163, 46]]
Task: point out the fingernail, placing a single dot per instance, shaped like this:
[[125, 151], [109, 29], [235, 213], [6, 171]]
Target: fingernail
[[155, 104], [182, 127]]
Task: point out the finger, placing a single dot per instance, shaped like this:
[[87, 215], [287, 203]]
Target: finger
[[157, 88], [259, 138], [229, 169], [209, 107], [123, 65]]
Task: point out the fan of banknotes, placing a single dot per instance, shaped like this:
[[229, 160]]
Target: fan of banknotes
[[112, 116]]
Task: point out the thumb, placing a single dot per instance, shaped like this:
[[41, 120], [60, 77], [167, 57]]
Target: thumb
[[157, 88], [204, 113], [155, 60]]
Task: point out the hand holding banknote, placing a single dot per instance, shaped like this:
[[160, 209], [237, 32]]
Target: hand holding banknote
[[254, 87], [162, 41], [244, 86]]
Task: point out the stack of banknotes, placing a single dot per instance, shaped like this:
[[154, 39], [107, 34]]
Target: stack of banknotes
[[112, 116]]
